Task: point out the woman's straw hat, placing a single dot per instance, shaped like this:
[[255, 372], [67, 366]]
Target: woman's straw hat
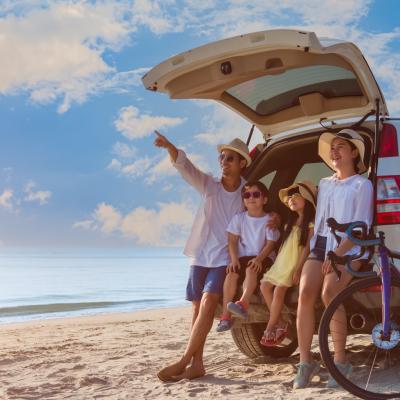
[[239, 147], [324, 146], [306, 188]]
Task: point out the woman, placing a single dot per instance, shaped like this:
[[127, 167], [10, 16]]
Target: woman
[[345, 196]]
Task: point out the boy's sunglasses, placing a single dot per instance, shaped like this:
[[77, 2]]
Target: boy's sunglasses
[[226, 157], [254, 195]]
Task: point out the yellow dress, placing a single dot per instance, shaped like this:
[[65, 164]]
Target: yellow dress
[[281, 273]]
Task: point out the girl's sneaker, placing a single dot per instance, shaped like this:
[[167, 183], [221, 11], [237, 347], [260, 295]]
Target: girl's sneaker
[[238, 310], [224, 325]]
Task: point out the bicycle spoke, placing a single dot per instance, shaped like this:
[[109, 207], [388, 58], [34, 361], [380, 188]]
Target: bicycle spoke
[[370, 371]]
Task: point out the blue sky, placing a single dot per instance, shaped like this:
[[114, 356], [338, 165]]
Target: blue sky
[[77, 163]]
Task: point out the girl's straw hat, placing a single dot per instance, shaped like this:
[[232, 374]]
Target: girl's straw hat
[[306, 188], [239, 147], [324, 146]]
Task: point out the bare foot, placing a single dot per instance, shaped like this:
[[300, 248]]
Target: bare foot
[[171, 373], [191, 373]]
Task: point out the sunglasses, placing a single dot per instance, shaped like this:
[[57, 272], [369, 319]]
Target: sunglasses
[[254, 195], [293, 196], [226, 157]]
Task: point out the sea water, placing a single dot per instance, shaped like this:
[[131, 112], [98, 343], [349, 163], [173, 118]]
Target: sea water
[[60, 283]]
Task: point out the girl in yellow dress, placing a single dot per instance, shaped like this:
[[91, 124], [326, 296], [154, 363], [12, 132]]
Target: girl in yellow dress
[[301, 200]]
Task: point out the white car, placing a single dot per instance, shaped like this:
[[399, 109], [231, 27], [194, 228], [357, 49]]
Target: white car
[[293, 87]]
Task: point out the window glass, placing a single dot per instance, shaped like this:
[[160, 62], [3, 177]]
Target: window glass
[[267, 179], [313, 172], [272, 93]]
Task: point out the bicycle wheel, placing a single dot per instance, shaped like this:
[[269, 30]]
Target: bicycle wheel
[[354, 316]]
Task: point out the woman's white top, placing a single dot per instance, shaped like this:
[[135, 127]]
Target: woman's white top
[[346, 200], [253, 234], [207, 244]]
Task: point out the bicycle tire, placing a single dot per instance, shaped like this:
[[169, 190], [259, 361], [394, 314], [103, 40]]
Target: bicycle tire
[[345, 298]]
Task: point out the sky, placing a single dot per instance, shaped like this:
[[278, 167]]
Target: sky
[[78, 167]]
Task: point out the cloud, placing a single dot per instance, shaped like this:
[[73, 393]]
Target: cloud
[[123, 150], [153, 169], [115, 165], [158, 16], [133, 125], [169, 225], [86, 224], [55, 50], [108, 218], [41, 196], [6, 199]]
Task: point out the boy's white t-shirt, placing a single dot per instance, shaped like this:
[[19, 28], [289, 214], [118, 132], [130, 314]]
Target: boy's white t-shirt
[[253, 233]]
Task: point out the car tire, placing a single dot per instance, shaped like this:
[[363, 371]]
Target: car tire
[[247, 338]]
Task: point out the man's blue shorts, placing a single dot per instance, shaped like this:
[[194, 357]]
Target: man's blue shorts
[[203, 279]]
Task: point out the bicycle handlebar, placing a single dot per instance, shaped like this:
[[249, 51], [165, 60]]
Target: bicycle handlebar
[[349, 229]]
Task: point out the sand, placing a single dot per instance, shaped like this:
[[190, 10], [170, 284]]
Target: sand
[[116, 356]]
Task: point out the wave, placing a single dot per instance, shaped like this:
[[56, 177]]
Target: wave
[[66, 307]]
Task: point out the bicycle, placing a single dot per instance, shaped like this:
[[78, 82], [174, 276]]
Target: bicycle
[[371, 308]]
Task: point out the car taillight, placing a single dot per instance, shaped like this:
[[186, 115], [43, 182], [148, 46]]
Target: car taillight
[[388, 200], [256, 151], [388, 146]]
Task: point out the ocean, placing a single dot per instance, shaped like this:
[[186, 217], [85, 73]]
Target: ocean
[[64, 283]]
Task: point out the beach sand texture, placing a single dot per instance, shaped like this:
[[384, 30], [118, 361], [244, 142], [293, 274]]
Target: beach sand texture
[[116, 356]]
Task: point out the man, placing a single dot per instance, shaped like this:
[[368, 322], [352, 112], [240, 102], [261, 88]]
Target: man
[[207, 245]]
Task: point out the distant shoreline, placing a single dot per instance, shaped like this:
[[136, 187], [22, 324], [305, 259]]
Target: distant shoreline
[[101, 314]]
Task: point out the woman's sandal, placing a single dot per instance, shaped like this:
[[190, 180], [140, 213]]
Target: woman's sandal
[[269, 338]]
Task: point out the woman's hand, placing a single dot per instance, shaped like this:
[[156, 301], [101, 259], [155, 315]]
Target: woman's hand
[[327, 267], [255, 264], [233, 266]]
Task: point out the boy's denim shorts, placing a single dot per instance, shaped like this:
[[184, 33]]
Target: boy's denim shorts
[[318, 252], [203, 279]]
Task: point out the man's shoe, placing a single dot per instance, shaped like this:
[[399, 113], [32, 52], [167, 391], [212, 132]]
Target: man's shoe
[[345, 370], [224, 325], [305, 372]]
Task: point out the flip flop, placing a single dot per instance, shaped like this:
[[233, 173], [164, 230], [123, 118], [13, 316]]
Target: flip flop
[[268, 342], [281, 333]]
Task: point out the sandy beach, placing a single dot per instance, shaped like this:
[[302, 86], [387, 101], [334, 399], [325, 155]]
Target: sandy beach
[[116, 356]]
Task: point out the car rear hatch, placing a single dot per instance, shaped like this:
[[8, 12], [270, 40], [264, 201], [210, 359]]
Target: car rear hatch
[[278, 80]]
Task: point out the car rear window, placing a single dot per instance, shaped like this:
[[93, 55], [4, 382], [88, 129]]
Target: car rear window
[[272, 93]]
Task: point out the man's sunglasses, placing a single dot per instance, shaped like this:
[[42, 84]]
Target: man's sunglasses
[[226, 157], [254, 195]]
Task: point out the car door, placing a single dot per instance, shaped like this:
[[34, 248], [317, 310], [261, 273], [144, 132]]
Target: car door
[[278, 80]]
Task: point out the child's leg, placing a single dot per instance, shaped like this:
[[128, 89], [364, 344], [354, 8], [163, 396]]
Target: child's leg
[[230, 287], [276, 306], [267, 290], [249, 285]]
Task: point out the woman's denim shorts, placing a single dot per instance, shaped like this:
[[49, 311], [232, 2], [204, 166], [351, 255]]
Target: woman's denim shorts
[[318, 252]]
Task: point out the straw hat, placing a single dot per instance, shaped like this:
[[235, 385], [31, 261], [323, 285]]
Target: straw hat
[[239, 147], [324, 146], [306, 188]]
